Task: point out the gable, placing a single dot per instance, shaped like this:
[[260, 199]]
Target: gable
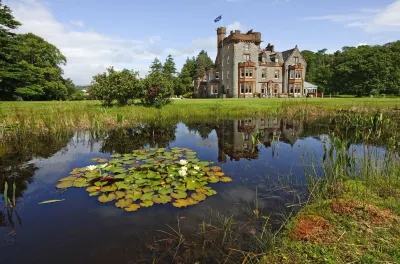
[[291, 58]]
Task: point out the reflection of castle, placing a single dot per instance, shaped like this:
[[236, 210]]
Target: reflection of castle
[[235, 138]]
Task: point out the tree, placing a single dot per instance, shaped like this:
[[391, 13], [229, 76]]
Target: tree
[[40, 72], [169, 68], [156, 66], [116, 85], [157, 87], [8, 46], [186, 77], [203, 63]]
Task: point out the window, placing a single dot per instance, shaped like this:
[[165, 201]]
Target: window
[[227, 60], [222, 75], [215, 89], [227, 74], [227, 88], [246, 57], [291, 88], [216, 75], [297, 89], [264, 59], [276, 74], [242, 73], [291, 74], [276, 88], [276, 59], [248, 88], [242, 88], [296, 60], [298, 74], [264, 74], [246, 46], [262, 90], [249, 72]]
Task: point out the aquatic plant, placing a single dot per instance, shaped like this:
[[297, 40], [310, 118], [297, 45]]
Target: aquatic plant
[[146, 177]]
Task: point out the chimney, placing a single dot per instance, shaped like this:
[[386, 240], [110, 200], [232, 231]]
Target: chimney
[[270, 47]]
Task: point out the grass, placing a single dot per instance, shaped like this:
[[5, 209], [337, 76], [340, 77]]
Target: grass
[[352, 213], [52, 116]]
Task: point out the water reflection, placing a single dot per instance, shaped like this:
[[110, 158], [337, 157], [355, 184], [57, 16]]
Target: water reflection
[[103, 234]]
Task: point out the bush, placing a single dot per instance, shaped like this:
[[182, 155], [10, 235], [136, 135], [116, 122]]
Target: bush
[[116, 85], [157, 90]]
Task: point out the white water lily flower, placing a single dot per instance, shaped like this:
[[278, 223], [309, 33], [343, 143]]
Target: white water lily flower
[[102, 166], [184, 168], [196, 168], [183, 162], [192, 181], [182, 173], [91, 167]]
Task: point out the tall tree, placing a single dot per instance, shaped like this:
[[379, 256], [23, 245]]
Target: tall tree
[[186, 77], [8, 44], [156, 66], [41, 74], [169, 68], [203, 63]]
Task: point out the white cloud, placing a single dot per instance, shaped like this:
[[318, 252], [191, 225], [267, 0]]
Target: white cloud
[[368, 19], [362, 44], [235, 26], [89, 52], [77, 23]]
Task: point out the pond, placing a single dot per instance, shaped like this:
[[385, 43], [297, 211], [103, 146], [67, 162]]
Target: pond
[[265, 158]]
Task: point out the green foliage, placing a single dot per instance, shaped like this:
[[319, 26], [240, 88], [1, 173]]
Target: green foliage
[[29, 66], [203, 63], [157, 86], [145, 177], [116, 85], [186, 77], [361, 71]]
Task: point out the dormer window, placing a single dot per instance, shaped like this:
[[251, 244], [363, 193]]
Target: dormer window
[[246, 46], [264, 59], [276, 59], [296, 60], [246, 57]]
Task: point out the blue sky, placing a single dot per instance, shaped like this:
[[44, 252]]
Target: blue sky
[[131, 33]]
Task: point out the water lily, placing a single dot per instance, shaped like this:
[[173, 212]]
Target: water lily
[[183, 162], [184, 168], [102, 166], [182, 173], [196, 168], [91, 167]]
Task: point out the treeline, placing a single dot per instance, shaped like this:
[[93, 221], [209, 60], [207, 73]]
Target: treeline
[[156, 88], [30, 67], [360, 71]]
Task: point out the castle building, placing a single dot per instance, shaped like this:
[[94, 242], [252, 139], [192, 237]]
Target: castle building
[[244, 70]]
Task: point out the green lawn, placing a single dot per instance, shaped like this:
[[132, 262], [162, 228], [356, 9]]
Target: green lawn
[[57, 115]]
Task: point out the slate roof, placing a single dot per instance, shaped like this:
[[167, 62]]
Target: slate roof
[[286, 54], [309, 85]]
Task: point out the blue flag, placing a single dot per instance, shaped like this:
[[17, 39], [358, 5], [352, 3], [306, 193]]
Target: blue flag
[[218, 19]]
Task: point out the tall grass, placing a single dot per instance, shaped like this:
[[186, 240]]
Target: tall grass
[[39, 117]]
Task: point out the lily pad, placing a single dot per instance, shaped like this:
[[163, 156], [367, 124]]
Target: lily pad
[[92, 189], [120, 194], [225, 179], [146, 203], [69, 178], [122, 203], [147, 196], [177, 194], [81, 184], [161, 199], [107, 198], [199, 196], [109, 188], [64, 184], [155, 175], [132, 208]]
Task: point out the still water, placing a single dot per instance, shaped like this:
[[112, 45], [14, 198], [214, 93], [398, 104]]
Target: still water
[[262, 156]]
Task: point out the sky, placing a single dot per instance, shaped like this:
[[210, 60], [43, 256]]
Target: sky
[[96, 34]]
